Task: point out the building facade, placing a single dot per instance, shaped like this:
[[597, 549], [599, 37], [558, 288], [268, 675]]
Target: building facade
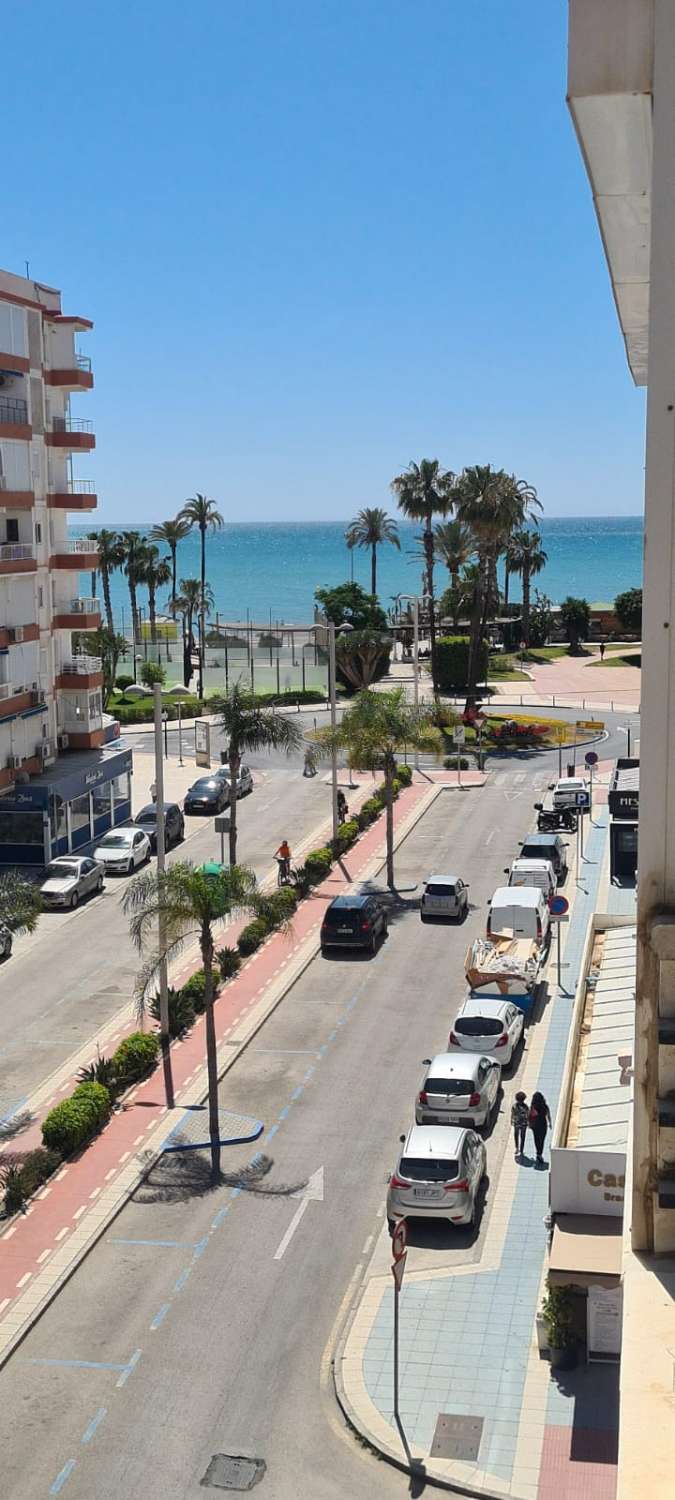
[[50, 688]]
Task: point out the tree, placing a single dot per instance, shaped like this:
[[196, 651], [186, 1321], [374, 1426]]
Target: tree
[[362, 657], [541, 619], [248, 727], [171, 533], [454, 546], [183, 901], [491, 504], [527, 557], [349, 604], [202, 513], [575, 615], [152, 672], [110, 558], [628, 610], [187, 604], [154, 572], [110, 647], [458, 601], [20, 902], [423, 491], [134, 556], [373, 728], [370, 528]]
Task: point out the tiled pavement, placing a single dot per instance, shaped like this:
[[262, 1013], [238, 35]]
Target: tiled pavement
[[467, 1339]]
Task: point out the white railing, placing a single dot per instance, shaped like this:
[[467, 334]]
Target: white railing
[[81, 487], [7, 690], [82, 546], [16, 551], [82, 666], [83, 607]]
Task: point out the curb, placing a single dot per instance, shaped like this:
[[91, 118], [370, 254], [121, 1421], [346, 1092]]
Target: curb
[[129, 1179]]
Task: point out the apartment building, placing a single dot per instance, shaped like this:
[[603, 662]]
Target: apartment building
[[50, 689]]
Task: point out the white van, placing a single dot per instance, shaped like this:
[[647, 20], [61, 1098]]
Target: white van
[[537, 872], [572, 791], [519, 912]]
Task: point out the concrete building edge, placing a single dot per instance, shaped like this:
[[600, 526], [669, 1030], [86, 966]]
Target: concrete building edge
[[312, 948]]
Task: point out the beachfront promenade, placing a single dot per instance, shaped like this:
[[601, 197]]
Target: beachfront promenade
[[571, 680]]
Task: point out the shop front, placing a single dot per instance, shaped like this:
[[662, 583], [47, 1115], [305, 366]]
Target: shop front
[[66, 808]]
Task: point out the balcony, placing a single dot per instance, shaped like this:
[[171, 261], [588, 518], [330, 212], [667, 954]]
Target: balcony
[[78, 614], [77, 377], [74, 433], [14, 364], [17, 557], [14, 635], [15, 499], [80, 494], [81, 672], [14, 418], [78, 556], [15, 698]]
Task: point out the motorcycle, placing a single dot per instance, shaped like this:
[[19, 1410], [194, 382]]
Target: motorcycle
[[557, 820]]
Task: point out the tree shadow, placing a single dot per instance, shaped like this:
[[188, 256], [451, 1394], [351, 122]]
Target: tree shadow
[[178, 1177], [10, 1129]]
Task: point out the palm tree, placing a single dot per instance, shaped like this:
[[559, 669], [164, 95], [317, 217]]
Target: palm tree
[[527, 558], [183, 901], [249, 727], [171, 533], [110, 647], [454, 546], [110, 558], [424, 491], [489, 503], [188, 603], [134, 556], [373, 728], [20, 902], [155, 571], [201, 512], [370, 528]]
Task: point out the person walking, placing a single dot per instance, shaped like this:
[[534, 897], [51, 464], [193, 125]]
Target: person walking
[[539, 1122], [520, 1115], [602, 651]]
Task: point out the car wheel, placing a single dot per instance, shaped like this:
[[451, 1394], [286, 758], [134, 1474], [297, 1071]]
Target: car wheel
[[391, 1225], [130, 867], [99, 885], [373, 945], [74, 900], [423, 916]]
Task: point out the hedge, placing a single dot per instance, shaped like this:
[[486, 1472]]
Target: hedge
[[404, 774], [370, 810], [450, 763], [136, 1055], [252, 936], [452, 662], [76, 1120], [195, 989], [317, 865], [20, 1181], [346, 835]]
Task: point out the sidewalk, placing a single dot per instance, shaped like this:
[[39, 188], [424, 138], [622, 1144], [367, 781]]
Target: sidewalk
[[468, 1348], [41, 1248], [572, 679]]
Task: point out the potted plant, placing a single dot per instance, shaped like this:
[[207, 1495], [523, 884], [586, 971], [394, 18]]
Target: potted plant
[[557, 1315]]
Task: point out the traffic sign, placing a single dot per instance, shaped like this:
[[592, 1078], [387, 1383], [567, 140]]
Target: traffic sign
[[397, 1270], [558, 906], [595, 724], [399, 1239], [591, 758], [459, 734]]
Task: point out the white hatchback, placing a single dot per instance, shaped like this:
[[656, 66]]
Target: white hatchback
[[458, 1090], [444, 896], [492, 1028]]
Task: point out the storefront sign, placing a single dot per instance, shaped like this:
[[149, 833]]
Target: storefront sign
[[603, 1315], [587, 1182]]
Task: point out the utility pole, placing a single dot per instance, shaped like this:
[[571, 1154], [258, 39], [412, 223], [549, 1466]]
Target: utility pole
[[333, 723], [161, 866]]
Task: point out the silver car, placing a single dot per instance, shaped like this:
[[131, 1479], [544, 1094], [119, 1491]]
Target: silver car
[[438, 1175], [68, 879], [489, 1027], [244, 779], [444, 896], [123, 850], [458, 1090]]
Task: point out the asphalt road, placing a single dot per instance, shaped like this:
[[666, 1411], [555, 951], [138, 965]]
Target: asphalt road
[[201, 1324]]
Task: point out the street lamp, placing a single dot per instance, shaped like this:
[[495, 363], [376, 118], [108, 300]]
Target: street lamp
[[165, 721], [344, 629]]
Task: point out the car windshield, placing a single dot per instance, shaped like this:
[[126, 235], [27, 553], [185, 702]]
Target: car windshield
[[428, 1169], [437, 888], [147, 816], [115, 841], [60, 869], [478, 1026], [337, 916], [206, 784], [449, 1086]]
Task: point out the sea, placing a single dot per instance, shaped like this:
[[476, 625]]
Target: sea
[[269, 571]]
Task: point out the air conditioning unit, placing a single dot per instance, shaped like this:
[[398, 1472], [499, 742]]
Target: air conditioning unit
[[13, 762], [63, 742], [46, 750], [16, 633]]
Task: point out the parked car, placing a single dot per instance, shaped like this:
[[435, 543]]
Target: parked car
[[353, 921], [537, 872], [571, 791], [519, 912], [458, 1090], [547, 846], [438, 1175], [174, 823], [5, 941], [488, 1027], [122, 850], [444, 896], [208, 795], [244, 779], [68, 879]]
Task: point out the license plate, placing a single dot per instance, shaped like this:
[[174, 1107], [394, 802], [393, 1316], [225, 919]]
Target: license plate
[[426, 1192], [345, 931]]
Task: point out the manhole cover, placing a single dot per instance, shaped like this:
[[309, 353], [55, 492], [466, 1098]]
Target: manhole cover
[[228, 1471], [457, 1437]]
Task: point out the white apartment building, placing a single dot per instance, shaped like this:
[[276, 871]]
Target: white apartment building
[[50, 692]]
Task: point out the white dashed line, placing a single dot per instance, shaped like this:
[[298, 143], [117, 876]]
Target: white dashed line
[[65, 1230], [44, 1255], [79, 1211], [24, 1279]]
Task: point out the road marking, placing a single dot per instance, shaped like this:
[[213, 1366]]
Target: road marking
[[95, 1193], [313, 1191], [80, 1364], [110, 1174], [80, 1211], [166, 1244], [63, 1476], [126, 1372], [490, 837], [160, 1316], [184, 1276], [216, 1223], [367, 1245], [89, 1431], [44, 1255], [65, 1230], [24, 1279], [10, 1232]]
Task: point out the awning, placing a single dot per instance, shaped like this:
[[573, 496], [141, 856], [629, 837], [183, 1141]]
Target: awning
[[15, 374], [587, 1250]]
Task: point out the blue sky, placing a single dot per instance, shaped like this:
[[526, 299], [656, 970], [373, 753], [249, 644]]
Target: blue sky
[[319, 238]]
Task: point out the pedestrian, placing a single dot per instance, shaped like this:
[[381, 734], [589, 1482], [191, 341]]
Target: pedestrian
[[539, 1122], [520, 1115], [602, 651]]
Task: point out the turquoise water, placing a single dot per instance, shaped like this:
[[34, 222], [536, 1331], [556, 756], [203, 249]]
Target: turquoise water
[[263, 567]]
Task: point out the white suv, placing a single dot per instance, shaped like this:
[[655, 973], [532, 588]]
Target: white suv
[[438, 1175]]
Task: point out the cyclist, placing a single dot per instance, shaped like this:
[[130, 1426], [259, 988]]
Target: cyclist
[[283, 857]]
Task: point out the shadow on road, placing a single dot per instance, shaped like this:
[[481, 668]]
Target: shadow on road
[[10, 1129], [179, 1177]]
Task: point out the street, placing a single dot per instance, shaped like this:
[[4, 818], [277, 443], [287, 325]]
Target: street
[[200, 1324]]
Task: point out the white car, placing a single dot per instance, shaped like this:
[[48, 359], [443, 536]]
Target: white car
[[491, 1028], [572, 791], [68, 879], [244, 779], [444, 896], [122, 850], [438, 1175], [458, 1090]]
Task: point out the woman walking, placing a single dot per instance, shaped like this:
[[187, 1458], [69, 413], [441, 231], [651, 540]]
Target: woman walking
[[539, 1122], [519, 1120]]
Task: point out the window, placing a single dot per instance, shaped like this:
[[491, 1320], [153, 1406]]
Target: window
[[12, 529], [121, 796], [57, 818], [478, 1026], [94, 709], [101, 800], [12, 329], [450, 1086], [79, 814], [38, 532], [41, 596], [14, 465], [427, 1169], [21, 828]]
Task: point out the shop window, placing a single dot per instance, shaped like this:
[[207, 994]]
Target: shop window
[[121, 796], [101, 800], [21, 828], [79, 815]]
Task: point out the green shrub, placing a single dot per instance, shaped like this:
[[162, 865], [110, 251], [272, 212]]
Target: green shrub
[[395, 788], [279, 906], [136, 1055], [370, 811], [13, 1193], [20, 1181], [452, 660], [152, 672], [123, 682], [74, 1122], [346, 835], [102, 1070], [450, 763], [317, 865], [404, 774], [96, 1097], [181, 1012], [195, 989], [229, 961], [252, 936]]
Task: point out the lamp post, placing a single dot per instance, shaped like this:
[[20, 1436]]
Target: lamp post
[[414, 598], [161, 865]]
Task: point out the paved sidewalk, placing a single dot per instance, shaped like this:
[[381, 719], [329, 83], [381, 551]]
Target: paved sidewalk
[[468, 1346], [572, 679]]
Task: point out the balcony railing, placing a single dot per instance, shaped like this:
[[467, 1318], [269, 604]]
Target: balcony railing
[[16, 552], [65, 424], [83, 362], [81, 487], [82, 666], [81, 606], [83, 546], [13, 409]]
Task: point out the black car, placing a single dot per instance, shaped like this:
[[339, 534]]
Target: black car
[[353, 922], [210, 794], [174, 823]]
